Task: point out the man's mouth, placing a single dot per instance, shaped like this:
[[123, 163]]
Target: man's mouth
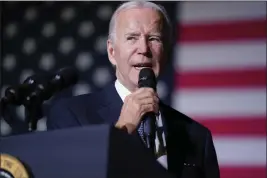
[[142, 65]]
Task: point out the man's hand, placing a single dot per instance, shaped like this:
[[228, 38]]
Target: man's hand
[[135, 106]]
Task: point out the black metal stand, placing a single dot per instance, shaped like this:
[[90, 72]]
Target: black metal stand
[[33, 112], [17, 126]]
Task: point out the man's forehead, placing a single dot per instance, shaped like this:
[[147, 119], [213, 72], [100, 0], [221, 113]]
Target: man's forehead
[[133, 17]]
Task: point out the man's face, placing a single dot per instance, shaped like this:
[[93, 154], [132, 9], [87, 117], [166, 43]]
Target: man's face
[[138, 43]]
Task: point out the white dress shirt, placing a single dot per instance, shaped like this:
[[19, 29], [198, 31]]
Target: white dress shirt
[[162, 158]]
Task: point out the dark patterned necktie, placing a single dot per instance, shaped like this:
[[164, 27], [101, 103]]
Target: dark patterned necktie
[[141, 131]]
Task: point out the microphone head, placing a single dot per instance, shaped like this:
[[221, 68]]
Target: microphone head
[[17, 94], [53, 83], [65, 77], [32, 79], [147, 78]]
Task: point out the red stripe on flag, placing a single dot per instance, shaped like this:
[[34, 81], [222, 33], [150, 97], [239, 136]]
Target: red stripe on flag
[[243, 172], [221, 31], [253, 126], [220, 79]]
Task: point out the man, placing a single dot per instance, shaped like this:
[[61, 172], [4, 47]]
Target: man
[[139, 36]]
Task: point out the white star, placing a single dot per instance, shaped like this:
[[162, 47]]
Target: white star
[[9, 62], [29, 46], [104, 12], [68, 14], [49, 29], [101, 76], [66, 45], [100, 44], [86, 29], [31, 14], [84, 61], [11, 30], [47, 61]]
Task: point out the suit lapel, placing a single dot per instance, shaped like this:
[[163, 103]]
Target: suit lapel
[[176, 139], [111, 107]]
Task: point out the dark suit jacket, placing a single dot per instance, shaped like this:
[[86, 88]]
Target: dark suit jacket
[[190, 148]]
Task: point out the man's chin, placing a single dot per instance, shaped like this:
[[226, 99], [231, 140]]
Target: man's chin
[[134, 85]]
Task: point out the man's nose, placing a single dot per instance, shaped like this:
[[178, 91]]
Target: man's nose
[[144, 47]]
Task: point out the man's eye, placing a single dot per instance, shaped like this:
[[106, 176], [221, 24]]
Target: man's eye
[[154, 39], [131, 38]]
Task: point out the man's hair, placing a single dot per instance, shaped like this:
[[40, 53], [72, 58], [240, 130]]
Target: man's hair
[[140, 4]]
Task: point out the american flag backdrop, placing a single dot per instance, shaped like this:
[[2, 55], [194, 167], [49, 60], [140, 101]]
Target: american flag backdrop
[[217, 74], [220, 80]]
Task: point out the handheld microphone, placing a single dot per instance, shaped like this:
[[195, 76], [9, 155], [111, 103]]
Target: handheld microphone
[[147, 79], [62, 79]]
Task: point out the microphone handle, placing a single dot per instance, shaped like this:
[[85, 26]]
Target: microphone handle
[[150, 130]]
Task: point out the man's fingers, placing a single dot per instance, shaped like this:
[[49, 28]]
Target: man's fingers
[[149, 108], [144, 89], [145, 94], [153, 100]]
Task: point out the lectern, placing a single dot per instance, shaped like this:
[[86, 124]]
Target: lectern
[[99, 151]]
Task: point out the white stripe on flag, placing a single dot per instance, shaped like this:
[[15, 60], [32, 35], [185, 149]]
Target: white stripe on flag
[[196, 12], [221, 102], [241, 151], [214, 56]]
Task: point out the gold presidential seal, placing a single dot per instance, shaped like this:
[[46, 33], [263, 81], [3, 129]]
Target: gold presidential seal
[[11, 167]]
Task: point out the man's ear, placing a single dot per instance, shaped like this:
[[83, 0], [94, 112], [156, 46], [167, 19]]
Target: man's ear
[[111, 52]]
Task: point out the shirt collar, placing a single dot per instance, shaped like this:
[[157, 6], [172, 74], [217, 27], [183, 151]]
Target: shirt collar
[[122, 90]]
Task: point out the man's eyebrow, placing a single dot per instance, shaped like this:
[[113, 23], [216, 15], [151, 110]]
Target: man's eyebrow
[[155, 34], [132, 34], [138, 34]]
